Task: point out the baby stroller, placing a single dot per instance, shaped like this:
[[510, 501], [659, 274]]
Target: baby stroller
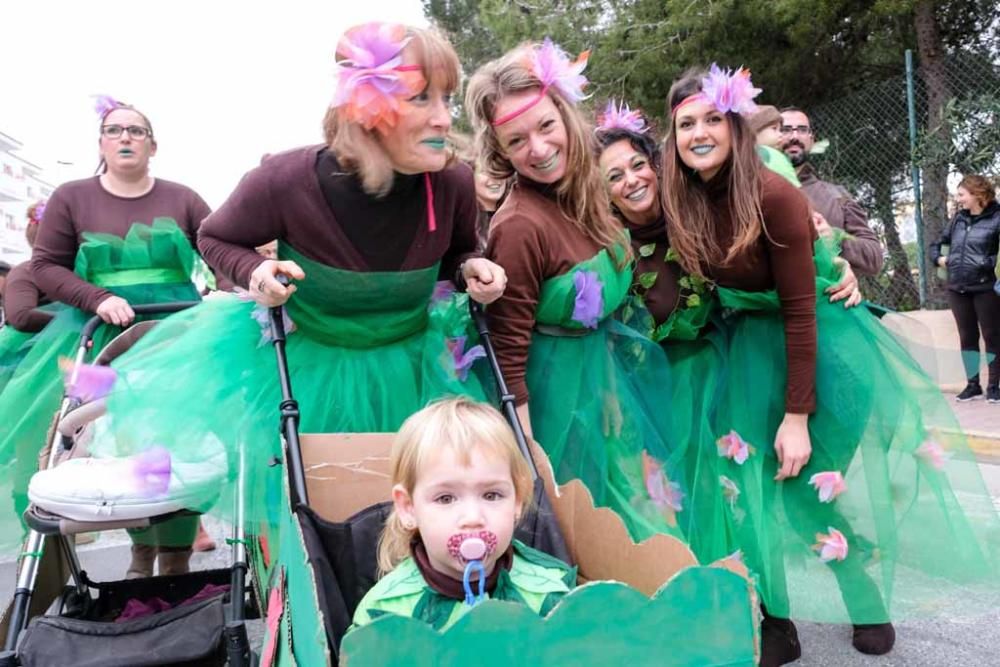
[[336, 486], [317, 602], [204, 619]]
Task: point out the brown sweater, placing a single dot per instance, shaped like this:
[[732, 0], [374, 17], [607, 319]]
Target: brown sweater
[[533, 241], [662, 298], [781, 259], [283, 199], [84, 206], [21, 298]]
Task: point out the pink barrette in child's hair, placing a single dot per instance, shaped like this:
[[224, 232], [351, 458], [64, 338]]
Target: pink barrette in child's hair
[[726, 90], [371, 77], [620, 116], [105, 104], [553, 68]]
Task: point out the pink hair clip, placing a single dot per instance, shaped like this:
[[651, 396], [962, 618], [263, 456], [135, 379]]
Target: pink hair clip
[[553, 68], [371, 76], [726, 90], [621, 117]]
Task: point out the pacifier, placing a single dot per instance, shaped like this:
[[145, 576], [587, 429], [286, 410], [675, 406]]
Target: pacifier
[[472, 549], [468, 547]]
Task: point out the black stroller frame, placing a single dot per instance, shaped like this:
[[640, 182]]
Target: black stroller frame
[[538, 528], [76, 598]]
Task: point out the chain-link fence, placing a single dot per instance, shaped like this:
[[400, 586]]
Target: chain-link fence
[[864, 144]]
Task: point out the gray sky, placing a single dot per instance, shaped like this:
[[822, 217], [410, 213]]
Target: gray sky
[[222, 81]]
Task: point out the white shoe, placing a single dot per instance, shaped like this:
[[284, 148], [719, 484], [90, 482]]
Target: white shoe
[[114, 489]]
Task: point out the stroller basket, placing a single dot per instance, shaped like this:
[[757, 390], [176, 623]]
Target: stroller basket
[[92, 634]]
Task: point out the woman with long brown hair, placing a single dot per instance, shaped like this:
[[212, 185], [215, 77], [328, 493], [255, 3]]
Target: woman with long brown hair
[[585, 385], [842, 461]]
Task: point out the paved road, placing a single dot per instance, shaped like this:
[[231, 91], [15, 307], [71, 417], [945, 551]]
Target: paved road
[[954, 642]]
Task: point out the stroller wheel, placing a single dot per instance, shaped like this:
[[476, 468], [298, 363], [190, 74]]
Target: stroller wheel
[[74, 604]]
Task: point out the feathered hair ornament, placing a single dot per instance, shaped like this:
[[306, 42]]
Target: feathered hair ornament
[[552, 66], [105, 104], [620, 116], [726, 90], [371, 77]]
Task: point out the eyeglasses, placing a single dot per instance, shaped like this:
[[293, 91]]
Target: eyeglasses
[[137, 132], [796, 129]]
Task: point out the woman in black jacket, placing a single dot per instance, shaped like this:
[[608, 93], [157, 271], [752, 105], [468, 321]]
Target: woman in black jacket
[[973, 237]]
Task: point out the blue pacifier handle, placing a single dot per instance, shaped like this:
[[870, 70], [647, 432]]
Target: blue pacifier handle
[[471, 599]]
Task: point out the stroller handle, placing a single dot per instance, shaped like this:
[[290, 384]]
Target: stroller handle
[[289, 408], [139, 309], [506, 398]]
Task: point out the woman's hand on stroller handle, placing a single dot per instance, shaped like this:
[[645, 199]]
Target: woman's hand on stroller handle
[[485, 281], [264, 286], [115, 310]]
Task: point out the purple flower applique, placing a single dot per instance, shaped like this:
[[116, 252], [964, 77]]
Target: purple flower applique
[[589, 304], [463, 358], [262, 316], [443, 289], [152, 471], [87, 382]]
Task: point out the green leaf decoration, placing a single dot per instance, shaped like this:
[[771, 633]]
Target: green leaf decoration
[[703, 616], [672, 255], [647, 279], [647, 250], [693, 301], [685, 282]]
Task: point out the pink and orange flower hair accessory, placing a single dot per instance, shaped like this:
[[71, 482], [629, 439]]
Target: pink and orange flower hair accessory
[[553, 68], [726, 90], [372, 80]]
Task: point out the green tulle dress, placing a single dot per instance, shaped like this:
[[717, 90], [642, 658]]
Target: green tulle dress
[[891, 509], [151, 264], [595, 387], [366, 350]]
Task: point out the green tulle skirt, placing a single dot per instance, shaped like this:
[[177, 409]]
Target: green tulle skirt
[[596, 388], [149, 265], [891, 509], [204, 383], [14, 346]]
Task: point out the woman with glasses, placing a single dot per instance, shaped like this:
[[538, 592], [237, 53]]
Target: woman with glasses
[[119, 238], [372, 227]]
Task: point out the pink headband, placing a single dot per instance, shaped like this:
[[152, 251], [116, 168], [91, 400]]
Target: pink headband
[[726, 90], [552, 67]]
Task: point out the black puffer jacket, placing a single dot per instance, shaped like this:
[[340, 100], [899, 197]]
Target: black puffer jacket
[[972, 256]]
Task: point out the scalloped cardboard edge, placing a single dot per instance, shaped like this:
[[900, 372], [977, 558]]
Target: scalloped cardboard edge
[[348, 472]]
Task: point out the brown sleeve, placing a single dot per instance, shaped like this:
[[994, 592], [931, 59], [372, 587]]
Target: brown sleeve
[[790, 237], [515, 244], [54, 255], [20, 300], [863, 251], [247, 219], [464, 241]]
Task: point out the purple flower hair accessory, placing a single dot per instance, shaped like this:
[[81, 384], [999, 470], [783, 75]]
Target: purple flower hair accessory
[[589, 304], [105, 104], [622, 117], [730, 91], [553, 68], [462, 358]]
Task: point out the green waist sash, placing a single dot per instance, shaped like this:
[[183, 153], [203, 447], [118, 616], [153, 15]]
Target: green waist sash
[[150, 276], [358, 309]]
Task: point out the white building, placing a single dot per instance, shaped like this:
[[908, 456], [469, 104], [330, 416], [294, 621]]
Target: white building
[[21, 185]]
